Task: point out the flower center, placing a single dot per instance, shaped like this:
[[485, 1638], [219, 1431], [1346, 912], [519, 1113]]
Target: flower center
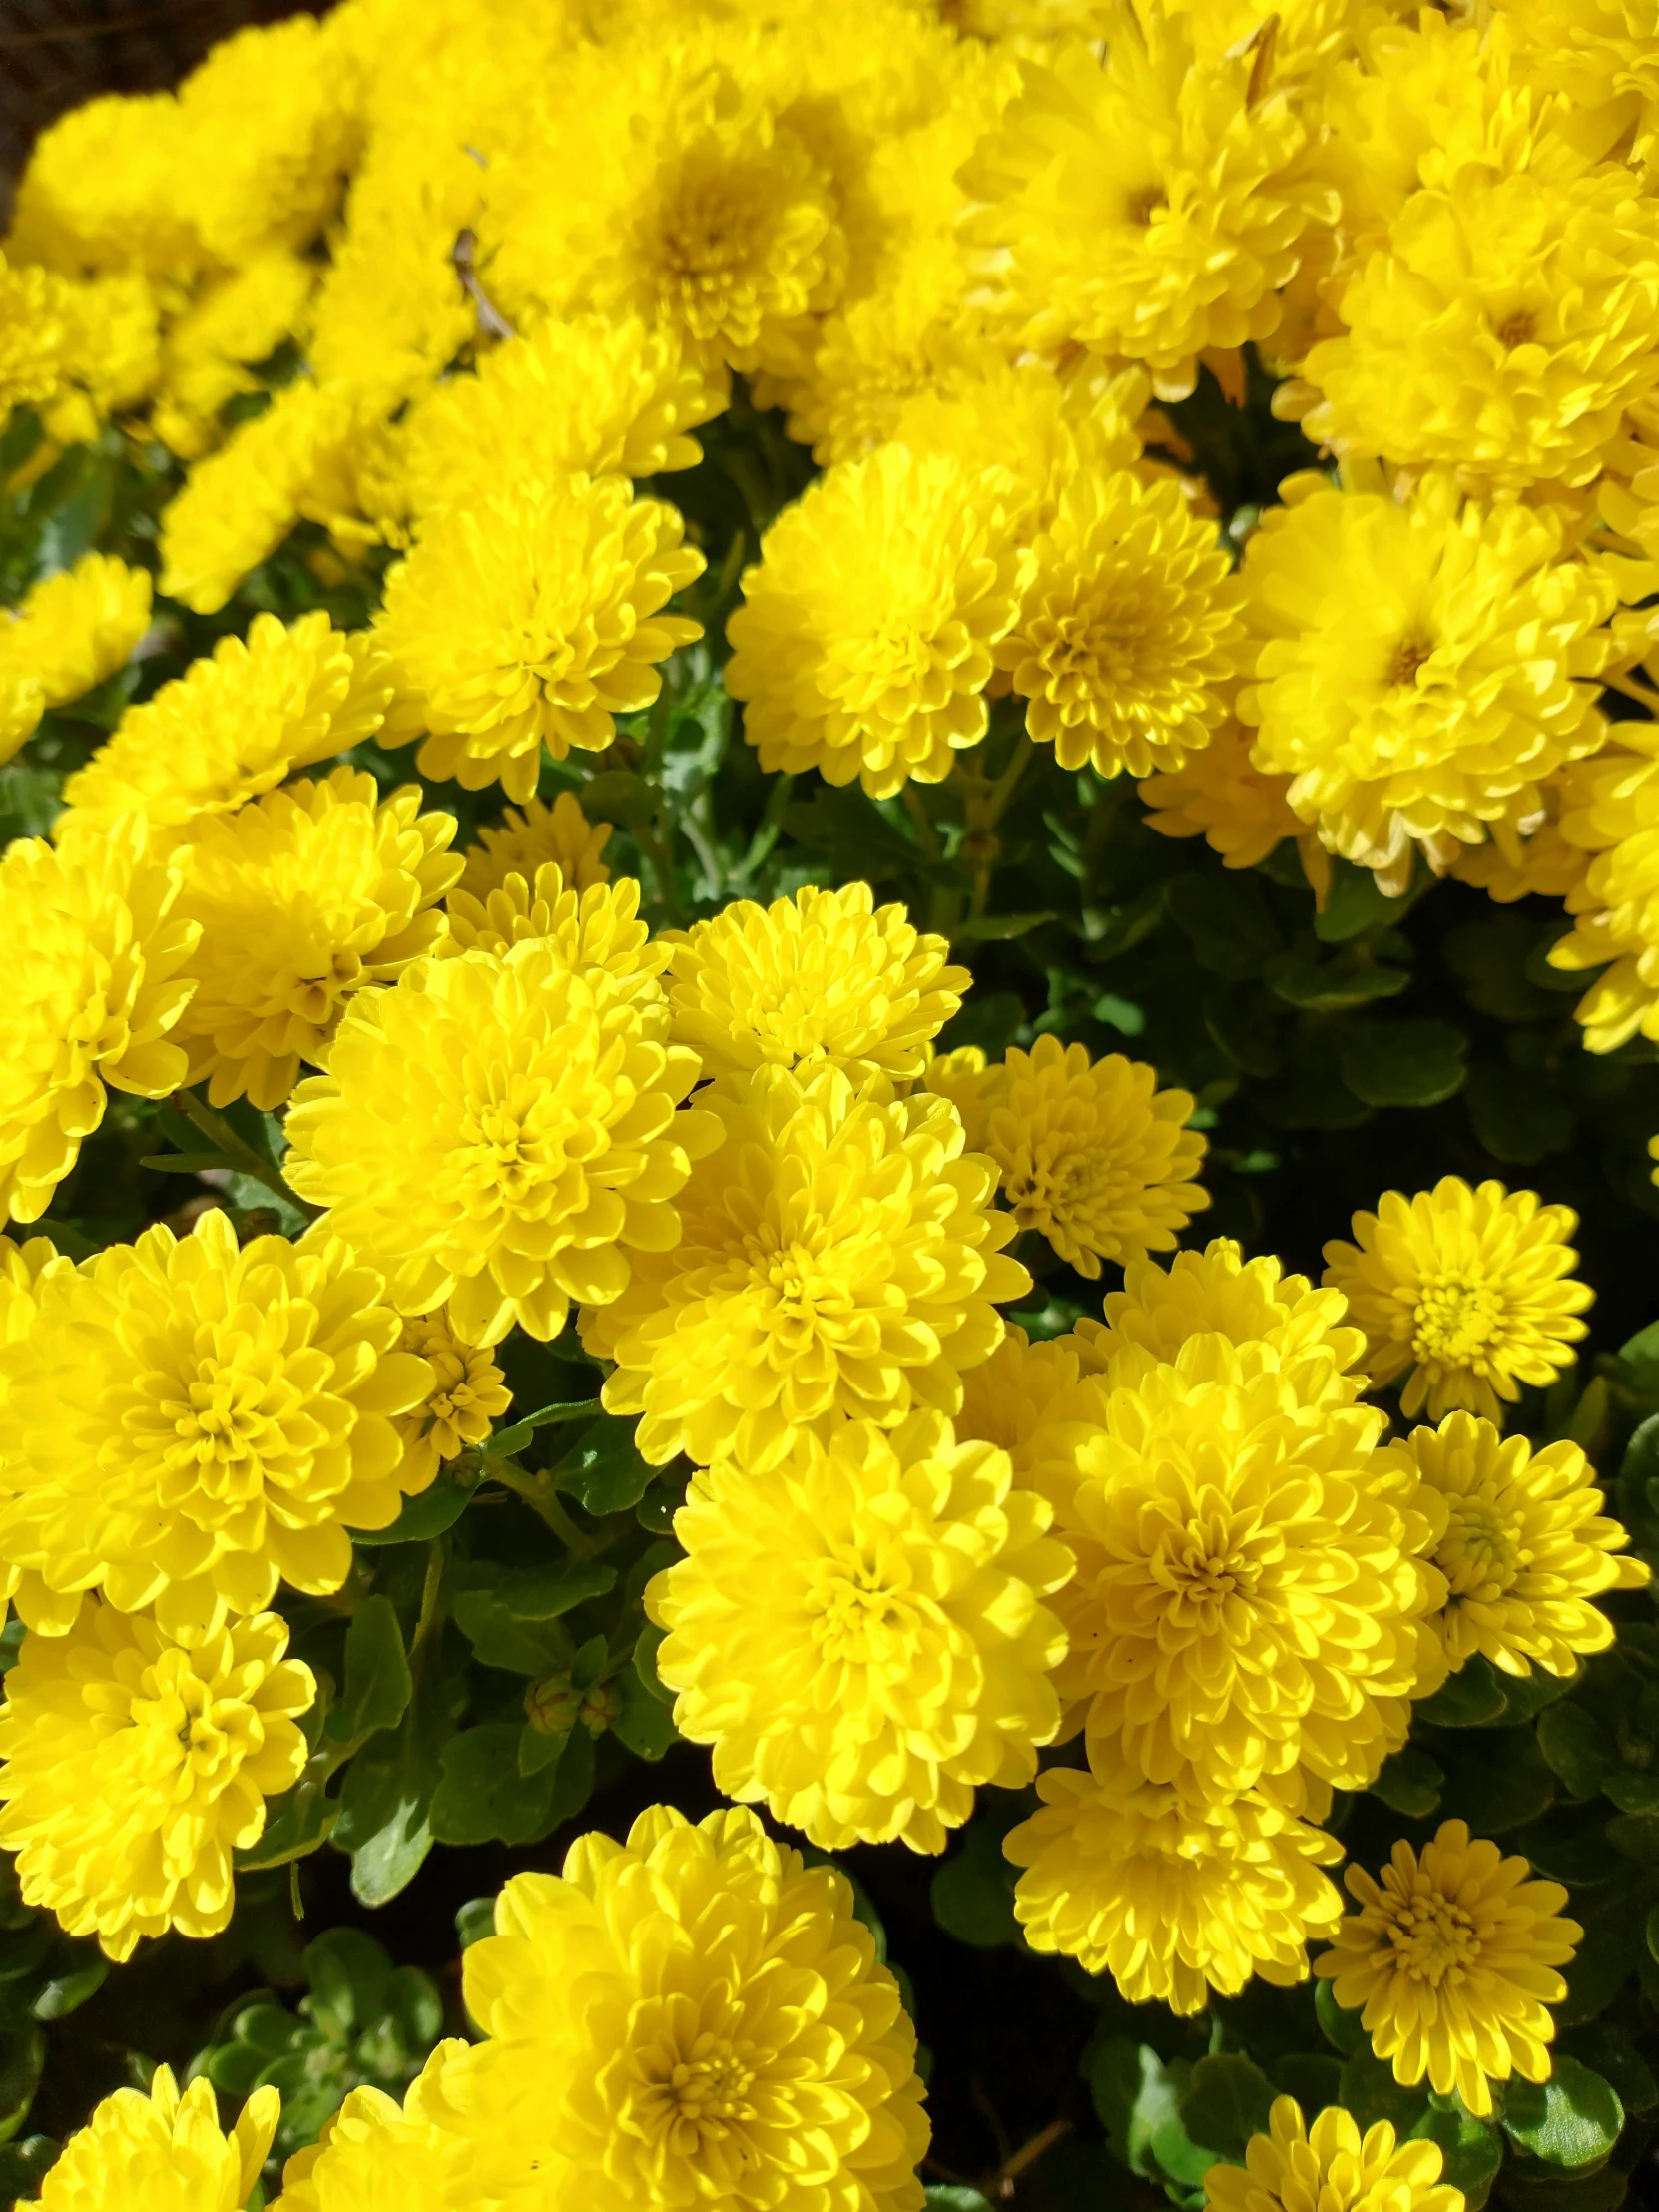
[[694, 2095], [1478, 1554], [1433, 1939], [1456, 1321], [1410, 655], [860, 1617], [317, 999], [1202, 1566], [1140, 208], [1521, 328]]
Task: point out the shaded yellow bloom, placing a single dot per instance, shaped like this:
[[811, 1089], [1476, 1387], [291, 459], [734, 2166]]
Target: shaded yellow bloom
[[837, 1256], [595, 932], [236, 723], [1092, 1155], [469, 1395], [72, 631], [528, 837], [861, 1635], [135, 1764], [692, 2016], [92, 1004], [208, 351], [184, 1424], [1422, 664], [1525, 1547], [1129, 633], [535, 617], [1240, 812], [1008, 1399], [1451, 1963], [1543, 863], [1468, 1293], [1608, 813], [1601, 53], [536, 1161], [1046, 429], [826, 975], [31, 334], [1171, 1897], [374, 2151], [1331, 2167], [162, 2152], [864, 641], [303, 899]]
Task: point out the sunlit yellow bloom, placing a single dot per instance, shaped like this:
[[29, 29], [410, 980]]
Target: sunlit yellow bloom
[[1543, 863], [134, 1764], [1129, 631], [824, 976], [1043, 429], [861, 1635], [595, 932], [837, 1256], [536, 1160], [377, 2152], [1240, 812], [1007, 1399], [1170, 1897], [163, 2153], [185, 1423], [1331, 2167], [1452, 1963], [690, 2017], [1608, 813], [93, 1002], [31, 336], [1601, 53], [467, 1397], [209, 350], [70, 631], [236, 723], [303, 899], [1525, 1547], [1472, 1291], [535, 617], [864, 641], [530, 835]]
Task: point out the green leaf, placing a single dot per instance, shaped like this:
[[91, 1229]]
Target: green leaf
[[1611, 2053], [1354, 904], [952, 2199], [644, 1724], [1371, 2093], [1473, 1698], [25, 2165], [348, 1974], [305, 1821], [1228, 922], [1402, 1063], [540, 1748], [512, 1624], [1496, 1780], [481, 1797], [972, 1894], [1472, 2151], [998, 928], [1515, 1121], [1606, 1956], [378, 1684], [507, 1440], [1328, 987], [1572, 2119], [425, 1515], [1409, 1782], [621, 795], [22, 2056], [1341, 2028], [603, 1470], [1597, 2189], [645, 1662], [1577, 1747], [1225, 2102], [1136, 2096], [387, 1793], [474, 1921]]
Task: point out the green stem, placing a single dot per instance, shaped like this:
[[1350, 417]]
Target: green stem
[[223, 1138], [538, 1493], [924, 827], [997, 802], [429, 1615], [656, 850], [767, 830]]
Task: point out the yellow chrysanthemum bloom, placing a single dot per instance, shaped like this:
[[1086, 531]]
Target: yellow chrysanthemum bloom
[[1129, 633], [31, 334], [826, 975], [135, 1764], [184, 1424], [692, 2016], [1525, 1548], [535, 617], [536, 1161], [590, 394], [1472, 1291], [1330, 2167], [1008, 1399], [864, 641], [1217, 794], [90, 1004], [530, 835], [163, 2153], [861, 1636], [1250, 1591], [1608, 813], [1451, 1963], [210, 350], [468, 1397], [1170, 1897], [838, 1256], [1140, 203], [304, 897], [234, 724], [1601, 53], [70, 631], [1092, 1155], [595, 932], [1422, 664], [1543, 863], [1044, 428], [377, 2152]]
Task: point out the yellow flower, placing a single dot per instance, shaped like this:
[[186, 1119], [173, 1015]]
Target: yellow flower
[[595, 932], [232, 323], [185, 1423], [234, 724], [1472, 1291], [692, 2016], [1330, 2167], [1129, 633], [1600, 54], [837, 1256], [824, 976], [91, 1003], [162, 2152], [537, 1159], [1543, 863], [70, 631], [135, 1763], [1240, 812], [1525, 1547], [531, 836], [1044, 428], [1170, 1897], [532, 618], [375, 2152], [1451, 1963], [1607, 816], [1091, 1155], [861, 1635], [467, 1397], [863, 644], [1141, 203], [1008, 1399], [303, 899], [31, 334], [590, 394], [1421, 663]]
